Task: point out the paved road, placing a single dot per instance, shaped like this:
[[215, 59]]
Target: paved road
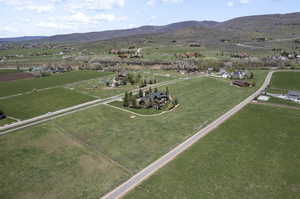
[[252, 47], [152, 168], [63, 112]]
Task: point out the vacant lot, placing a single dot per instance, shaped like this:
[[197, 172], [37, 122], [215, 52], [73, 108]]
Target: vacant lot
[[253, 155], [49, 156], [286, 80], [30, 105], [20, 86]]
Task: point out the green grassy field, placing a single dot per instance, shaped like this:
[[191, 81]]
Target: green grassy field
[[282, 101], [20, 86], [286, 80], [30, 105], [86, 154], [253, 155]]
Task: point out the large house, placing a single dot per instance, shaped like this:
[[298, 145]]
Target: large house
[[240, 83], [159, 98]]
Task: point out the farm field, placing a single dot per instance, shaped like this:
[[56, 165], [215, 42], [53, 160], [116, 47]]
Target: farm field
[[253, 155], [20, 86], [86, 154], [286, 80], [37, 103]]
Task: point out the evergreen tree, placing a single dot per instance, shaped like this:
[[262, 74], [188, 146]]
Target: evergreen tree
[[133, 101], [139, 77], [155, 90], [155, 81], [150, 90], [167, 91], [126, 100], [175, 101], [141, 93], [150, 81]]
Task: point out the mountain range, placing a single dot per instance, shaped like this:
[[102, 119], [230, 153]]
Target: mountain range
[[271, 26]]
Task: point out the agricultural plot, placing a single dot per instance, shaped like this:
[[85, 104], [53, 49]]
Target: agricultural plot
[[253, 155], [21, 86], [286, 80], [37, 103], [86, 154]]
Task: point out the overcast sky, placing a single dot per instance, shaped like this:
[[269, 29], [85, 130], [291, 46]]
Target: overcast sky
[[50, 17]]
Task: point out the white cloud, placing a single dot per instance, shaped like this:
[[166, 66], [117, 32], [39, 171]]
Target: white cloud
[[52, 25], [80, 17], [37, 8], [94, 4], [28, 5], [172, 1], [151, 2], [230, 3], [244, 1]]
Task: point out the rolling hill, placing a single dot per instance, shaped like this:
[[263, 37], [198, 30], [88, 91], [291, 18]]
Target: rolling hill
[[241, 28]]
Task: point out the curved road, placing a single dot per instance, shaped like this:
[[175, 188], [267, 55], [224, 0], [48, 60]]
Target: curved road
[[134, 181]]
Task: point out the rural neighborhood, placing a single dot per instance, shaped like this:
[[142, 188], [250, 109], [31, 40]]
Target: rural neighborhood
[[149, 99]]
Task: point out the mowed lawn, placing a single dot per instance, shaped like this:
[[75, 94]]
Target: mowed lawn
[[21, 86], [37, 103], [123, 144], [256, 154], [286, 80]]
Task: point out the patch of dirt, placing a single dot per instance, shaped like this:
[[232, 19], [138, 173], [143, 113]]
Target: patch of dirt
[[90, 165], [15, 76]]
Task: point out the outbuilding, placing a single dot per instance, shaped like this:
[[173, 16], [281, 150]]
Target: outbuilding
[[294, 95]]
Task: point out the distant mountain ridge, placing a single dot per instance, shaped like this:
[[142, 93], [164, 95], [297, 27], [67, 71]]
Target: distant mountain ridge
[[111, 34], [274, 25], [20, 39]]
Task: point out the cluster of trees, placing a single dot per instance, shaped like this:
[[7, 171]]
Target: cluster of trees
[[130, 100], [134, 79]]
